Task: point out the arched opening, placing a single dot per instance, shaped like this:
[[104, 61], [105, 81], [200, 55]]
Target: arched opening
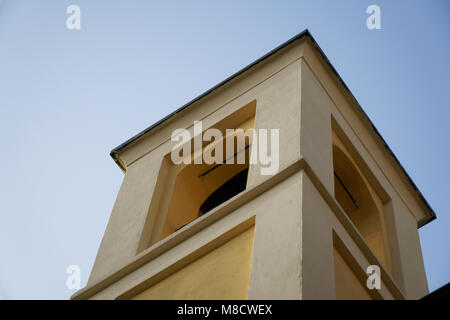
[[186, 191], [196, 188], [200, 188], [359, 201]]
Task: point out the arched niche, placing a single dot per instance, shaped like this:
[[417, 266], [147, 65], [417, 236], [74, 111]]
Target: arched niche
[[359, 201]]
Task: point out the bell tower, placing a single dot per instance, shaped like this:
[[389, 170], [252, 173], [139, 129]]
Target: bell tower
[[274, 184]]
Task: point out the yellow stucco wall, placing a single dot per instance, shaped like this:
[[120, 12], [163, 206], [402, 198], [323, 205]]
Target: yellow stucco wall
[[223, 273], [347, 285]]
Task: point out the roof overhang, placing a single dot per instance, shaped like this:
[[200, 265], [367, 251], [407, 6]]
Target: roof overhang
[[430, 214]]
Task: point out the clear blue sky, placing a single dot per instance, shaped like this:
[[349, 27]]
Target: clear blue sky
[[68, 97]]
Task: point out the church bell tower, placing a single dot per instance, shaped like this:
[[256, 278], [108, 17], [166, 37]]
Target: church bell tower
[[274, 184]]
